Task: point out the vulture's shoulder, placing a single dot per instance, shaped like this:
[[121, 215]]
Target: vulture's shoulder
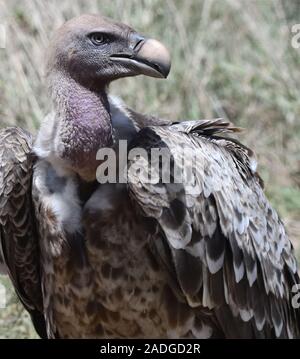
[[19, 245], [218, 236], [127, 122]]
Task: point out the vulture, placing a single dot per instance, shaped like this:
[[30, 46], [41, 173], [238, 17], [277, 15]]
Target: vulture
[[205, 256]]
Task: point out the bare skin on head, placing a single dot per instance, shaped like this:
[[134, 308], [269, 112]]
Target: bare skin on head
[[85, 55]]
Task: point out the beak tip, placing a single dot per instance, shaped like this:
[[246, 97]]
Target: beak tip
[[155, 52], [167, 72], [164, 69]]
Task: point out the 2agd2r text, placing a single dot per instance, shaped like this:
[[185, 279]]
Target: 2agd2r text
[[178, 348]]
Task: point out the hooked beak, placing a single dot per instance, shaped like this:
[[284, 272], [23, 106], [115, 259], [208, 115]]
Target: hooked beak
[[145, 56]]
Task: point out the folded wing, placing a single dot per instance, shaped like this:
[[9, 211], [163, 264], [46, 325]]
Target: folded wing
[[218, 237], [19, 244]]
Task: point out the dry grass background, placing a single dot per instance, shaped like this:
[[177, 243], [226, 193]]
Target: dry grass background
[[231, 58]]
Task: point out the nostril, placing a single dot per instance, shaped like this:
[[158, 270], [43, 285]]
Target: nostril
[[136, 42], [138, 45]]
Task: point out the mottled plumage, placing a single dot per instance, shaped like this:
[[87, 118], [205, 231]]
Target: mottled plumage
[[202, 258], [19, 241]]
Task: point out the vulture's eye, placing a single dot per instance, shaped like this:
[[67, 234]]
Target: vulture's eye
[[98, 38]]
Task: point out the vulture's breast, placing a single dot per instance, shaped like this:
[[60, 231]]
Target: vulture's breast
[[100, 278]]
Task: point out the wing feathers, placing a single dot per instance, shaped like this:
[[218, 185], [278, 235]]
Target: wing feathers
[[229, 249], [17, 231]]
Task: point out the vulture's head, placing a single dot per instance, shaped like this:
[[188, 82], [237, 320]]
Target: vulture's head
[[95, 50]]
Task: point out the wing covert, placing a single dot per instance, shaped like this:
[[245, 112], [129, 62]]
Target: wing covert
[[228, 249]]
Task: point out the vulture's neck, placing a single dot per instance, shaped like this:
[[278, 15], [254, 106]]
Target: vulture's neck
[[82, 124]]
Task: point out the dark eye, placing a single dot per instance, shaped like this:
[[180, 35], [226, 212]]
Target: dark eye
[[98, 38]]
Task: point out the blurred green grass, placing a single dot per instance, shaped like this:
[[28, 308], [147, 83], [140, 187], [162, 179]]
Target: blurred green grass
[[15, 322], [231, 59]]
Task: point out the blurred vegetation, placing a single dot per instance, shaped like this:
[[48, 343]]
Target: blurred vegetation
[[14, 320], [231, 59]]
